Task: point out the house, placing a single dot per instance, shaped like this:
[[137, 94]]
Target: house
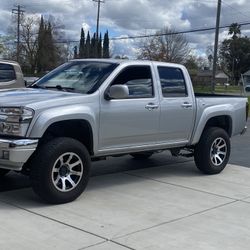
[[221, 78], [204, 77]]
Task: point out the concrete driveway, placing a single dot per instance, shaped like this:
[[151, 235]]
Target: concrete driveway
[[164, 207]]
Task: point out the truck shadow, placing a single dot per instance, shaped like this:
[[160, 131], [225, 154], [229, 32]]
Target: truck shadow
[[115, 173], [112, 165]]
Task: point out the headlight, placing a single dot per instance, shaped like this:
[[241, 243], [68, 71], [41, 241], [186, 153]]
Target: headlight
[[15, 121]]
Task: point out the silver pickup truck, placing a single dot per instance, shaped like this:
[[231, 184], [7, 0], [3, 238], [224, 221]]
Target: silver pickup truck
[[89, 109]]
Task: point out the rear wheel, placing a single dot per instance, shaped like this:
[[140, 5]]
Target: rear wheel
[[212, 153], [141, 156], [60, 170]]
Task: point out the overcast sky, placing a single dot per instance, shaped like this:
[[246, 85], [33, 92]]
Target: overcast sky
[[136, 17]]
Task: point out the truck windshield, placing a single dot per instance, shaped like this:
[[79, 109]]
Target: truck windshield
[[77, 76]]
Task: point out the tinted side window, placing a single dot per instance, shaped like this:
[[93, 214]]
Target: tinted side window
[[7, 72], [138, 79], [172, 82]]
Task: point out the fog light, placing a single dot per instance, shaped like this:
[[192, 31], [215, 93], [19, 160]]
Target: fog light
[[6, 155]]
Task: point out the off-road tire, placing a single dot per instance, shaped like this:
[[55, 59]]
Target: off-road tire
[[208, 158], [44, 170]]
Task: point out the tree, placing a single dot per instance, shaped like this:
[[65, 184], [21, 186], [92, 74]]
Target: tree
[[35, 32], [93, 47], [99, 47], [235, 54], [51, 48], [87, 46], [1, 45], [46, 58], [28, 42], [191, 63], [8, 47], [170, 47], [234, 30], [82, 45], [41, 50], [106, 45], [75, 52]]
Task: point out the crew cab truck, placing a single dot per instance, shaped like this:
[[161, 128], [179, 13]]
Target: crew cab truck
[[11, 75], [88, 109]]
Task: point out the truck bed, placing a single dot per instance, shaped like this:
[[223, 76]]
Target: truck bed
[[217, 95]]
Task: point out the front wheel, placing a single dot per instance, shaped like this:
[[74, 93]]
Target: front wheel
[[60, 170], [212, 153]]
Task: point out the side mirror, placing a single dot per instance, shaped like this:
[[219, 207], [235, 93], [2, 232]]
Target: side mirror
[[117, 92]]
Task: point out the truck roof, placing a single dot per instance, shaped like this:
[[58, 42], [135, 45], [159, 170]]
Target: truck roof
[[123, 61], [9, 62]]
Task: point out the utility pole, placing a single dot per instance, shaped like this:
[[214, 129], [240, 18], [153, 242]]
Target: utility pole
[[18, 11], [98, 16], [216, 44]]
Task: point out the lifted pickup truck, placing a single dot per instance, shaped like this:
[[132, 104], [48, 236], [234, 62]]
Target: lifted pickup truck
[[11, 75], [90, 109]]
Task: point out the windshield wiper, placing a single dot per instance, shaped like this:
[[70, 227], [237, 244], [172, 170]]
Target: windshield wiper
[[35, 86], [59, 87]]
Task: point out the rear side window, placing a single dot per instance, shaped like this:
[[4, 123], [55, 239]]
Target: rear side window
[[172, 82], [138, 79], [7, 72]]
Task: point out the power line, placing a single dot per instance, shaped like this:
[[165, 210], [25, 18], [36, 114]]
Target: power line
[[155, 35], [175, 32], [230, 6]]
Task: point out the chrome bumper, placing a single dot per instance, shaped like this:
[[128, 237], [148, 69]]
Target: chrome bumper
[[14, 153]]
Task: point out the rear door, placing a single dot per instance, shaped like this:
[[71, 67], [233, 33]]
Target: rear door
[[134, 121], [177, 107]]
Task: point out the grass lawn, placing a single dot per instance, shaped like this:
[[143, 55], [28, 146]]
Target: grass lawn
[[221, 90], [218, 89]]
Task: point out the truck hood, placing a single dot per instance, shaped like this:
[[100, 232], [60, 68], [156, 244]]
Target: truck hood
[[29, 96]]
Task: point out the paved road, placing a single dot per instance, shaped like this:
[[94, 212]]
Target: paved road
[[240, 155]]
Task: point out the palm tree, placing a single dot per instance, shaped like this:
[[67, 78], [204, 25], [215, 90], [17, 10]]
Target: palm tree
[[234, 30]]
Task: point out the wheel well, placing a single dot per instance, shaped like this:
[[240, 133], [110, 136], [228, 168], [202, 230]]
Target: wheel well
[[224, 122], [77, 129]]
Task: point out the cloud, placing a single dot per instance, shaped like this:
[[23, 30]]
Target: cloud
[[135, 17]]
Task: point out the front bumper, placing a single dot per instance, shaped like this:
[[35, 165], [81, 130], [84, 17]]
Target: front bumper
[[14, 153]]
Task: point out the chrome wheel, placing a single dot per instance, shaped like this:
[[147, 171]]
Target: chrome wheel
[[218, 151], [67, 172]]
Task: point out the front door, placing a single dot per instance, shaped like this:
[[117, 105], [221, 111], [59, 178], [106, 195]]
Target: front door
[[134, 121]]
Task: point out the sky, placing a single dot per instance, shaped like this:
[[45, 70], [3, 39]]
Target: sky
[[124, 18]]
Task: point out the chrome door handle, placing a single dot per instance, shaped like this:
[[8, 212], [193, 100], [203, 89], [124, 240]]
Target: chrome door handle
[[151, 106], [187, 105]]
